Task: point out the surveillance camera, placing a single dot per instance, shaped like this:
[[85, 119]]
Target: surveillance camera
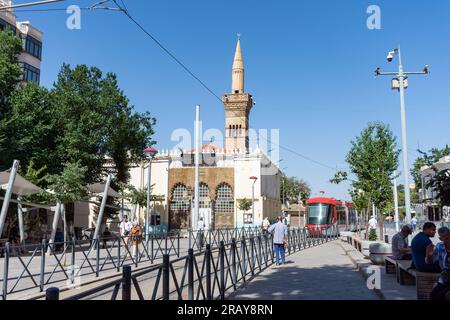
[[390, 57], [426, 69]]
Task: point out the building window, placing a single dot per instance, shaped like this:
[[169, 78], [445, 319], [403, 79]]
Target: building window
[[30, 73], [204, 200], [33, 47], [180, 199], [230, 131], [5, 25], [224, 200]]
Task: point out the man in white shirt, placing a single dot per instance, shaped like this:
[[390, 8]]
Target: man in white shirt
[[414, 223], [125, 227], [279, 230], [373, 223]]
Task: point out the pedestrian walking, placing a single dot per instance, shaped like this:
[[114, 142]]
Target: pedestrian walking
[[373, 223], [414, 223], [279, 230], [136, 236], [200, 229], [125, 228]]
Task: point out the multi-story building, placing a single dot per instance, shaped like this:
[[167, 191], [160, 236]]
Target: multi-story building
[[432, 209], [31, 55]]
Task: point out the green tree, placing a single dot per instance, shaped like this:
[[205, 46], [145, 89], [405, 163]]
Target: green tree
[[30, 130], [427, 159], [245, 204], [98, 121], [293, 187], [10, 70], [439, 181], [373, 159]]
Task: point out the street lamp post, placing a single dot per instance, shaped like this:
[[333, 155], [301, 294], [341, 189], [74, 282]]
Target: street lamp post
[[151, 152], [253, 196], [400, 83]]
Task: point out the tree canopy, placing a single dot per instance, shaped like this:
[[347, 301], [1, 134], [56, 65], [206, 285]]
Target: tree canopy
[[293, 187]]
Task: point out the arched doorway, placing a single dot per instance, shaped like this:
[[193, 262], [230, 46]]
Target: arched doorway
[[180, 207], [205, 205], [224, 207]]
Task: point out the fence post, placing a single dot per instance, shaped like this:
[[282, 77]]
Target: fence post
[[97, 257], [191, 274], [52, 294], [165, 241], [222, 270], [119, 244], [166, 275], [42, 273], [5, 271], [72, 278], [244, 257], [252, 256], [178, 244], [190, 239], [208, 271], [260, 251], [151, 250], [126, 283], [233, 260], [136, 254]]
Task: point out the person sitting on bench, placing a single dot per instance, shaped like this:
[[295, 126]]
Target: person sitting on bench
[[400, 249], [441, 254], [419, 246]]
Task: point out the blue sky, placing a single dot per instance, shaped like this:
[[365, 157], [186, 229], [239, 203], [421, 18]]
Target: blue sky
[[309, 66]]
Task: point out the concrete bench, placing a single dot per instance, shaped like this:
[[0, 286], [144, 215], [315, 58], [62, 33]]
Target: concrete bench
[[390, 264], [424, 281]]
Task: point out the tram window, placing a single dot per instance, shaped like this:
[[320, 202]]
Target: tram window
[[319, 213]]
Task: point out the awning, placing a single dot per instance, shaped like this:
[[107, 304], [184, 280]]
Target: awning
[[22, 187], [99, 188]]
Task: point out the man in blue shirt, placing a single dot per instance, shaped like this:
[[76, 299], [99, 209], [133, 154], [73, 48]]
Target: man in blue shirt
[[419, 249], [441, 254], [279, 230]]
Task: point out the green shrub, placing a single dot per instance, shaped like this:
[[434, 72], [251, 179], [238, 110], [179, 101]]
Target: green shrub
[[373, 235]]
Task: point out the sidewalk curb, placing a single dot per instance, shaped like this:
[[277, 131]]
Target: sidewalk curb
[[360, 264]]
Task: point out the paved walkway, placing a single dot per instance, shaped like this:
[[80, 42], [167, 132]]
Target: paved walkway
[[319, 273]]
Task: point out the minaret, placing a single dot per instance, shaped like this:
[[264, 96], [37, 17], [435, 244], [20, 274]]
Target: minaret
[[237, 108]]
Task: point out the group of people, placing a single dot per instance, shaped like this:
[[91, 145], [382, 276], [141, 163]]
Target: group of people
[[425, 256], [131, 231]]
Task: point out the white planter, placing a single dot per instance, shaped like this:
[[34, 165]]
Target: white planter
[[365, 247], [378, 251]]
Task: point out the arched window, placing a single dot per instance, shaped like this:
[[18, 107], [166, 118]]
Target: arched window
[[224, 200], [204, 199], [180, 198]]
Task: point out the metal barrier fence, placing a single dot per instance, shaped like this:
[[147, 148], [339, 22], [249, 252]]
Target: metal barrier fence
[[35, 266], [206, 275], [26, 267]]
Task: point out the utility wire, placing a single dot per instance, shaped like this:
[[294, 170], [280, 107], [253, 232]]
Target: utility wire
[[124, 9], [126, 12]]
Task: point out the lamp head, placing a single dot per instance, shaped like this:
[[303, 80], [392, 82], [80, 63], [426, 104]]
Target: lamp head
[[151, 152]]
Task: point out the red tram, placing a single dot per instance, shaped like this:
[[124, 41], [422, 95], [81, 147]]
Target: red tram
[[325, 213]]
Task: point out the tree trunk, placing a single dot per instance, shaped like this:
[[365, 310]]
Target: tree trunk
[[380, 218]]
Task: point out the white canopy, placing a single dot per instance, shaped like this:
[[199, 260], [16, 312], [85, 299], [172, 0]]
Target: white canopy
[[99, 188], [21, 187]]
